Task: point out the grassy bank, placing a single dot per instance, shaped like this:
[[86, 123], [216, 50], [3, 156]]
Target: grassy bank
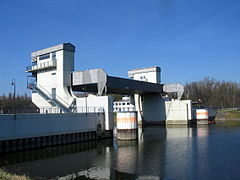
[[4, 175], [228, 123], [228, 114]]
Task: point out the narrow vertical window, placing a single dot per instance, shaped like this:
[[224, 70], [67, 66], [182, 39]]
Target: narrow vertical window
[[54, 56]]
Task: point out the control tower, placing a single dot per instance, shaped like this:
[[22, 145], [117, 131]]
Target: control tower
[[51, 78]]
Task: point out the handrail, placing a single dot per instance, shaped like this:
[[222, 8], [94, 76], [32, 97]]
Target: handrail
[[79, 109], [42, 65], [50, 95], [58, 100]]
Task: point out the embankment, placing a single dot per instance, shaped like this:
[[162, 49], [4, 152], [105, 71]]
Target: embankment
[[228, 114]]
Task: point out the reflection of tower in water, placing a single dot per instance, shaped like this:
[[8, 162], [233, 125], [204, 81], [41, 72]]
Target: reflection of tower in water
[[126, 160], [151, 152], [143, 159], [178, 151], [202, 150]]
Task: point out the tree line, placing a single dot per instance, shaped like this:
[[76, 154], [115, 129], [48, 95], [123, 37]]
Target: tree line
[[19, 104], [210, 92]]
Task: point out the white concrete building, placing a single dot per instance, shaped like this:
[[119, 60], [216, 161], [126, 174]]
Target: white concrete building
[[51, 85], [51, 73], [151, 74], [53, 79]]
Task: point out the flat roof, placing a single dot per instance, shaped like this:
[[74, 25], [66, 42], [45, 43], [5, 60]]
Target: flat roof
[[143, 70], [64, 46]]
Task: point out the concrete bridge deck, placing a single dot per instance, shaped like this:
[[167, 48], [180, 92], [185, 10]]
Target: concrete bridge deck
[[97, 81]]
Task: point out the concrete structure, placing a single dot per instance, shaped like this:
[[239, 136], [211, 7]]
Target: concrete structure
[[153, 108], [55, 82], [97, 81], [92, 103], [37, 125], [62, 113], [178, 112], [151, 75], [202, 116], [29, 131], [127, 125], [51, 84], [51, 70]]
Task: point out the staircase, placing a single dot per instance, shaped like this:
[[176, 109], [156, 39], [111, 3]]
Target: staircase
[[47, 96]]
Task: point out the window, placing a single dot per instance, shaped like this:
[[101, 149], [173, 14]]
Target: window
[[123, 103], [128, 103], [142, 77], [53, 93], [44, 56], [54, 56]]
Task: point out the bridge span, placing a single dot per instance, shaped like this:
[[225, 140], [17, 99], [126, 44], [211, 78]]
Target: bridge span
[[99, 82]]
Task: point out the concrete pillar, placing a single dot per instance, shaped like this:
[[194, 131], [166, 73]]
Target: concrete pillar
[[202, 116], [127, 125]]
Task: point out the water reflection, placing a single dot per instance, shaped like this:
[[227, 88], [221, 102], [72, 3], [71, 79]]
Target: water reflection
[[171, 152], [90, 159]]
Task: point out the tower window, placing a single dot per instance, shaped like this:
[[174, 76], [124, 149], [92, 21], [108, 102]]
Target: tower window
[[44, 56], [54, 56]]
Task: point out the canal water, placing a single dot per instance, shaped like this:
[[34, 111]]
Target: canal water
[[161, 153]]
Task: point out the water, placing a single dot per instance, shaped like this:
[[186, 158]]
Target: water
[[161, 153]]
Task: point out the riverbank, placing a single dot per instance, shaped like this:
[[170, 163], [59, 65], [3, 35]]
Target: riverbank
[[4, 175], [228, 114]]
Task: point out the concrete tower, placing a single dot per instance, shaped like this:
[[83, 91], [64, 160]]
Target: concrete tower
[[51, 78]]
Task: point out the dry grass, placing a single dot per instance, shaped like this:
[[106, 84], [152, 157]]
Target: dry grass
[[228, 114], [233, 114], [4, 175]]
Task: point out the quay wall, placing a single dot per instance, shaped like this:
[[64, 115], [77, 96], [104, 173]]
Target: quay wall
[[30, 131], [34, 125]]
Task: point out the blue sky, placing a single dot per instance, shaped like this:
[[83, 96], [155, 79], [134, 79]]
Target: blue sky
[[188, 39]]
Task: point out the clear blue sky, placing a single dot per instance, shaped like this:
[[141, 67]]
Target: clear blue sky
[[188, 39]]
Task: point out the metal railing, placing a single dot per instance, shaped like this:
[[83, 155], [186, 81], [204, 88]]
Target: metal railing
[[49, 110], [80, 109], [58, 98], [92, 109], [58, 101], [42, 65], [123, 109], [19, 110]]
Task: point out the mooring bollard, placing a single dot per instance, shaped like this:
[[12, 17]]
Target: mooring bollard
[[99, 131]]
